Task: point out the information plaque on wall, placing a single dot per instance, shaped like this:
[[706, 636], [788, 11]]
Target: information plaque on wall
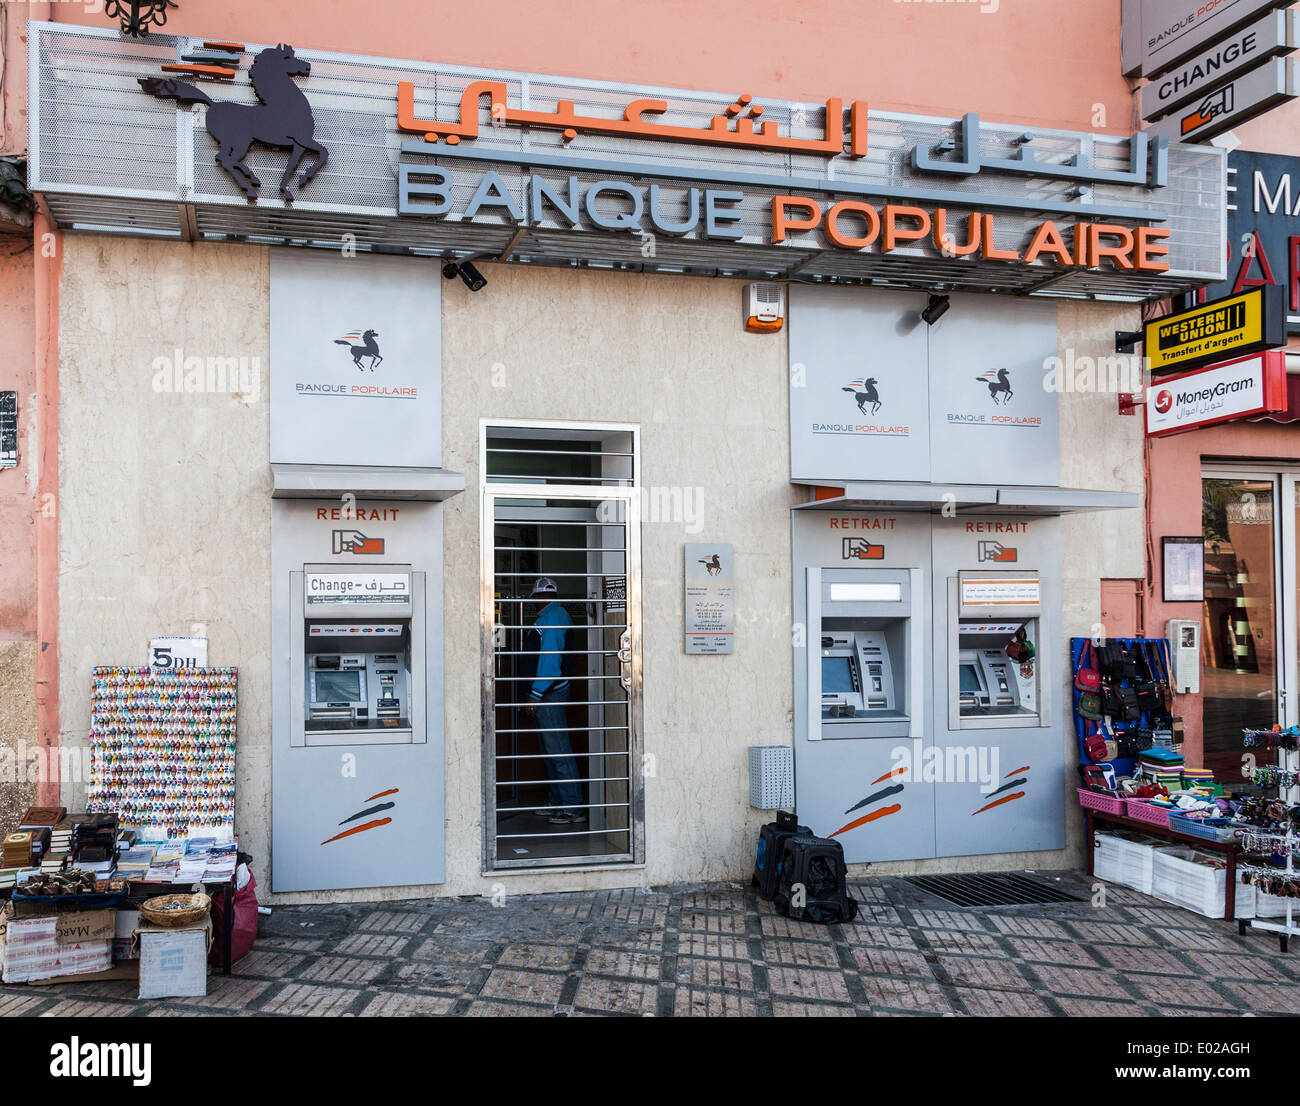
[[8, 430], [710, 598]]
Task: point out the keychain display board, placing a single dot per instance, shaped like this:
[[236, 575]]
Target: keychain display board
[[162, 749]]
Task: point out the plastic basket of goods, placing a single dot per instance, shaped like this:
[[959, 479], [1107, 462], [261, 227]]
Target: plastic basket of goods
[[1099, 800], [1204, 828], [175, 910], [1142, 811]]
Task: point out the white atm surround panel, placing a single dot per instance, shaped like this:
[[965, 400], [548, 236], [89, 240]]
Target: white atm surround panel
[[387, 777], [840, 780]]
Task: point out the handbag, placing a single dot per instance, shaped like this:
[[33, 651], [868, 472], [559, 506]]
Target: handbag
[[1089, 705], [1095, 747], [1118, 661], [1087, 678]]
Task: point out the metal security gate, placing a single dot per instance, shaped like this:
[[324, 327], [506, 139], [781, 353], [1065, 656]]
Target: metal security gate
[[561, 785]]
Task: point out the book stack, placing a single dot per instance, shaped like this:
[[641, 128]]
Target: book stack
[[1163, 767], [94, 843], [8, 877], [1198, 777], [17, 850], [42, 817], [166, 863], [221, 863], [134, 863]]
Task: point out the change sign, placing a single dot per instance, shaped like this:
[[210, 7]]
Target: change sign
[[1216, 331], [1234, 390], [1245, 96]]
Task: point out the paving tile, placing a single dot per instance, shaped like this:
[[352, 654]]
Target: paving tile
[[1221, 967], [372, 944], [1070, 952], [731, 975], [87, 1008], [633, 965], [1074, 981], [524, 986], [616, 996], [1163, 991], [342, 969], [1002, 1004], [712, 946], [1270, 997], [1097, 1008], [985, 973], [486, 1009], [406, 1004], [785, 1008], [457, 950], [394, 921], [554, 957], [713, 923], [431, 976], [779, 926], [233, 992], [802, 953], [872, 961], [905, 994], [14, 1004], [309, 1000], [1019, 926], [973, 944], [807, 983], [270, 964], [884, 936], [1145, 959], [693, 1002]]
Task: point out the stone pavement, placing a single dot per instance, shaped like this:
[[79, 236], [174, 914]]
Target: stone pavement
[[717, 950]]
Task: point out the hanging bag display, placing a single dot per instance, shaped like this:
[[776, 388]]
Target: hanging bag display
[[1089, 705], [1087, 678]]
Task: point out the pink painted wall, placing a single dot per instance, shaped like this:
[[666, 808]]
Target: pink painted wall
[[17, 485], [1046, 62]]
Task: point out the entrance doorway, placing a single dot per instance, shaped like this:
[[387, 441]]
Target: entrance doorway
[[561, 686], [1250, 640]]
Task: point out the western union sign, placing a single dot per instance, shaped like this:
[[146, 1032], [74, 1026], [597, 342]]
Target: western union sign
[[1216, 331]]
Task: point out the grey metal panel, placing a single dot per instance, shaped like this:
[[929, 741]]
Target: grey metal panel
[[334, 481], [95, 135], [934, 497]]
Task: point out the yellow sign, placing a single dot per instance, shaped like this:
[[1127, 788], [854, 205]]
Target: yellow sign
[[1217, 331]]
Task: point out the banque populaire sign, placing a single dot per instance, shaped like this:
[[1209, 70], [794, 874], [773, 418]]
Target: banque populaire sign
[[283, 144]]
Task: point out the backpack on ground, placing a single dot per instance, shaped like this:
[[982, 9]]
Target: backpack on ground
[[812, 884], [767, 860]]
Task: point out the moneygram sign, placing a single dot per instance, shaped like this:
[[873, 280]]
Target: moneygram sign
[[1232, 326], [1233, 390]]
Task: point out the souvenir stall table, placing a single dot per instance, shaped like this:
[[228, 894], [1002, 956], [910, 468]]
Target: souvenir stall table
[[159, 823]]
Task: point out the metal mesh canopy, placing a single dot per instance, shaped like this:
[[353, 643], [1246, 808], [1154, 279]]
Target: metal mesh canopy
[[110, 158]]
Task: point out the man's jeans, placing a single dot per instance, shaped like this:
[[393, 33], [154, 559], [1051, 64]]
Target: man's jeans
[[561, 766]]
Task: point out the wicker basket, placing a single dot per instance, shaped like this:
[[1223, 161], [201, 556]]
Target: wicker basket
[[175, 910]]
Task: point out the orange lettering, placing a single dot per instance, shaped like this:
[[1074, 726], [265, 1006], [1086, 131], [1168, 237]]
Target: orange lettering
[[990, 252], [1119, 254], [947, 246], [894, 233], [1148, 250], [856, 207], [781, 222], [1047, 239]]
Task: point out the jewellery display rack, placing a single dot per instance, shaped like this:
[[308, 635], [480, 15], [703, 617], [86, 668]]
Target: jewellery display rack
[[1287, 771], [162, 749]]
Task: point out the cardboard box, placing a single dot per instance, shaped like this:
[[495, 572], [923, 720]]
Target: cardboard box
[[74, 926], [32, 952], [173, 960]]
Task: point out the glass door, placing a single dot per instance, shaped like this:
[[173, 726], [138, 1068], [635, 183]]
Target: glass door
[[1244, 674]]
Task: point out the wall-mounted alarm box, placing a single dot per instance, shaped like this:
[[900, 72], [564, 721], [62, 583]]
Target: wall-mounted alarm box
[[764, 307]]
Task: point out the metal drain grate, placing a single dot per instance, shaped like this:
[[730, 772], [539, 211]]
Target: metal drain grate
[[991, 889]]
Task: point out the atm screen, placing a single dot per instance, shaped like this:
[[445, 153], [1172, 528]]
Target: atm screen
[[837, 675], [337, 687], [970, 680]]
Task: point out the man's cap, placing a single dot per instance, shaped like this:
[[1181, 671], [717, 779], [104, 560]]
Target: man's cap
[[544, 585]]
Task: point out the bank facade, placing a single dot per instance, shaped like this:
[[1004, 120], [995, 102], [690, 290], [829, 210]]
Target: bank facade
[[296, 423]]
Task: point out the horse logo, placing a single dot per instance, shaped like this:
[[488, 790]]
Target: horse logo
[[999, 384], [712, 565], [864, 391], [282, 119], [362, 345]]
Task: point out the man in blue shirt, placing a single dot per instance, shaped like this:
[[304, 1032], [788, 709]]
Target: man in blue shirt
[[549, 696]]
